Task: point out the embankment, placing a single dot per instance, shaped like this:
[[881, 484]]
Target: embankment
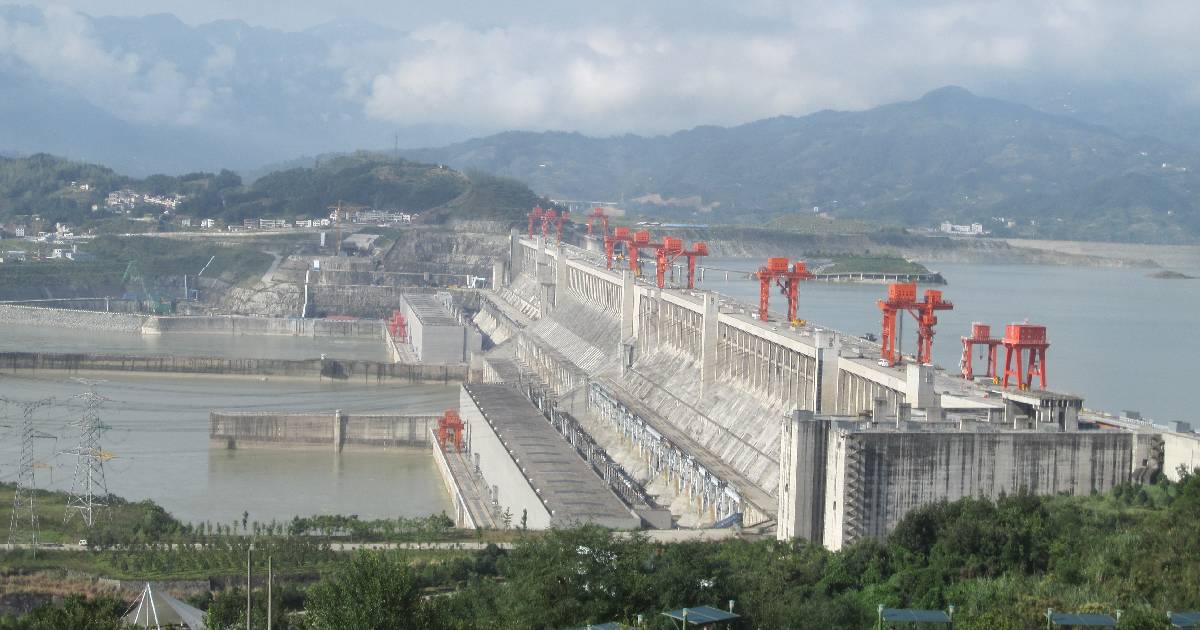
[[77, 319], [316, 429], [337, 369]]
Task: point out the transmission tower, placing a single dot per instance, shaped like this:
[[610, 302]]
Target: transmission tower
[[24, 506], [89, 489]]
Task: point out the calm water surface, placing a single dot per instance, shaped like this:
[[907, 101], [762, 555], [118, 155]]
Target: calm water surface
[[159, 434], [1118, 338]]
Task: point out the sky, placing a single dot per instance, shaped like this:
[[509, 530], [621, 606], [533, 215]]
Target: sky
[[646, 67]]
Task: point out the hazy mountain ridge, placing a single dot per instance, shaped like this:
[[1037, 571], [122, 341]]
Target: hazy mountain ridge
[[949, 155], [46, 185]]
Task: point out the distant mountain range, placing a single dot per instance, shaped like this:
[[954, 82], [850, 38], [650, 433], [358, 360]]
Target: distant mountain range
[[949, 155]]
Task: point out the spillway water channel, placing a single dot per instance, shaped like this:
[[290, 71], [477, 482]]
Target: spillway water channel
[[1118, 338], [159, 431]]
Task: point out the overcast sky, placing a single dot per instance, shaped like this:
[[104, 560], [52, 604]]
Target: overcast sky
[[656, 66]]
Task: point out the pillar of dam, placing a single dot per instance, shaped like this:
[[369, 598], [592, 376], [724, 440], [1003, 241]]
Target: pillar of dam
[[708, 345], [628, 313], [337, 431], [498, 274], [515, 256]]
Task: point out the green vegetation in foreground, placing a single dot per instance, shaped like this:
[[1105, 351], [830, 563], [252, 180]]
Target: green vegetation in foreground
[[1002, 564], [870, 264]]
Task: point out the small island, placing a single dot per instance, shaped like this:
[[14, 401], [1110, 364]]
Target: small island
[[873, 269], [1167, 274]]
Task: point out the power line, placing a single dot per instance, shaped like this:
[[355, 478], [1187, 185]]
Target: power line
[[24, 505], [89, 489]]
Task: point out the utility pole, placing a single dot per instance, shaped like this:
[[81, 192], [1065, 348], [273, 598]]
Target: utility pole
[[89, 489], [249, 553], [24, 496], [269, 577]]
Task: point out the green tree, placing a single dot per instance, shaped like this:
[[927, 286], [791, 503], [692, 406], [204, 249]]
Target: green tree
[[374, 591]]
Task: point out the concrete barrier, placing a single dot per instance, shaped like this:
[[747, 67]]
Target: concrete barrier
[[70, 318], [295, 327], [339, 369], [329, 429]]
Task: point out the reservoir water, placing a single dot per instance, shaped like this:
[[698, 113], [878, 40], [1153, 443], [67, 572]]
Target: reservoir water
[[159, 436], [1118, 338]]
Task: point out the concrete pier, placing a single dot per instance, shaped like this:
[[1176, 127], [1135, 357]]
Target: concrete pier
[[336, 429]]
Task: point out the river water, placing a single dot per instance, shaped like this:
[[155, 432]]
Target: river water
[[159, 436], [1118, 338]]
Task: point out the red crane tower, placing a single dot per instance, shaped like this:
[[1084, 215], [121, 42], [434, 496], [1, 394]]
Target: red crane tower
[[450, 430], [640, 241], [1017, 339], [534, 216], [672, 249], [548, 217], [598, 213], [902, 296], [619, 235], [981, 335], [398, 326], [698, 249], [788, 279]]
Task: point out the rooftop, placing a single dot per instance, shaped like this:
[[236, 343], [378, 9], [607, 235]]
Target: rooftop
[[429, 310], [566, 484]]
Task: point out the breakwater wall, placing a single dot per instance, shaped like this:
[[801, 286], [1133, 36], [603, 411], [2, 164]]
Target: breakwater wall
[[71, 318], [335, 430], [339, 369]]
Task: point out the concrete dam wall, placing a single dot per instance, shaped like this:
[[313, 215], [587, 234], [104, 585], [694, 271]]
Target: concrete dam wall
[[332, 429], [367, 371]]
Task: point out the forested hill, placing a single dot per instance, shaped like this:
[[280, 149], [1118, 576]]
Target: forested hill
[[949, 155], [54, 188]]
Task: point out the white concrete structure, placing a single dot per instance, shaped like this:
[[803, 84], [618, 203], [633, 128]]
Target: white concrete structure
[[435, 335]]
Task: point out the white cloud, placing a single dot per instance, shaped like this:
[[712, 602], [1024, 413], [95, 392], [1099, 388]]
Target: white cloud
[[63, 50]]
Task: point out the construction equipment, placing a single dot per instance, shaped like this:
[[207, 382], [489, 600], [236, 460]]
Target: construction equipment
[[398, 326], [154, 304], [902, 296], [1017, 339], [450, 430], [641, 240], [981, 335], [550, 217], [785, 275], [598, 214], [535, 215], [672, 249], [619, 235]]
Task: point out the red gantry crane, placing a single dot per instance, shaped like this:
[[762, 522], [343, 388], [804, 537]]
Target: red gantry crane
[[598, 214], [535, 215], [550, 217], [398, 326], [450, 430], [981, 335], [619, 235], [787, 277], [1017, 339], [641, 240], [671, 250], [902, 296]]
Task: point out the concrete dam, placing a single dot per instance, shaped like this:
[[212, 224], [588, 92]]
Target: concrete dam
[[798, 430]]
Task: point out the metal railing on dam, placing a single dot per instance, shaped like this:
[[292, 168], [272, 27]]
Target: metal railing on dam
[[338, 369]]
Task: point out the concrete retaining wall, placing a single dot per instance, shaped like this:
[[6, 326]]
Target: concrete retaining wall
[[78, 319], [331, 429], [367, 371], [1180, 449]]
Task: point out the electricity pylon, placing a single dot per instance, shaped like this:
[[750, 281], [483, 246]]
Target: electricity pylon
[[24, 505], [89, 489]]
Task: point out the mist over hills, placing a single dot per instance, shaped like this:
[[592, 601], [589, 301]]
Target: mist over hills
[[949, 155]]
